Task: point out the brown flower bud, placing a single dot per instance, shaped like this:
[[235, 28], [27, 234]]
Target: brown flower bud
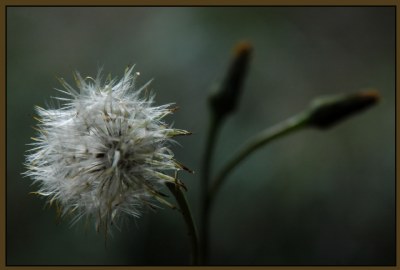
[[326, 112], [224, 101]]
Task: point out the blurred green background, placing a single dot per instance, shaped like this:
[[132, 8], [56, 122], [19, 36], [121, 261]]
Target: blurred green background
[[313, 198]]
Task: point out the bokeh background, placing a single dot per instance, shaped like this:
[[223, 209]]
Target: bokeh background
[[312, 198]]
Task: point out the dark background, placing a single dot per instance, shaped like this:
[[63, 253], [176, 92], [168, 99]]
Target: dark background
[[316, 197]]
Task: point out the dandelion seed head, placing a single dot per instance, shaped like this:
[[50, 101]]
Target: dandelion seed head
[[105, 153]]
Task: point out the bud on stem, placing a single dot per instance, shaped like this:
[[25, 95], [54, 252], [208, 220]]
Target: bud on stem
[[224, 101], [323, 113], [326, 112]]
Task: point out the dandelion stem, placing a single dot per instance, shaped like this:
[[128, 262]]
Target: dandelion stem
[[292, 124], [187, 216], [206, 172]]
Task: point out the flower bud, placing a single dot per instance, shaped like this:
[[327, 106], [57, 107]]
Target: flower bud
[[326, 112], [224, 100]]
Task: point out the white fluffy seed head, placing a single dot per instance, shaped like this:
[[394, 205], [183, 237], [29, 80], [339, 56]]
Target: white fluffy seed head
[[105, 153]]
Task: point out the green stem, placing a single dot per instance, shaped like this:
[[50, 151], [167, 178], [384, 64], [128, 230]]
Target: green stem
[[206, 172], [292, 124], [187, 215]]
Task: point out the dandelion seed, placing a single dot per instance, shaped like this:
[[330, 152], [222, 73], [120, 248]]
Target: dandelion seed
[[105, 153]]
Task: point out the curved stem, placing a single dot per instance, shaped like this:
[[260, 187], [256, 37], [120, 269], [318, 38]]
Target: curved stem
[[187, 215], [266, 136]]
